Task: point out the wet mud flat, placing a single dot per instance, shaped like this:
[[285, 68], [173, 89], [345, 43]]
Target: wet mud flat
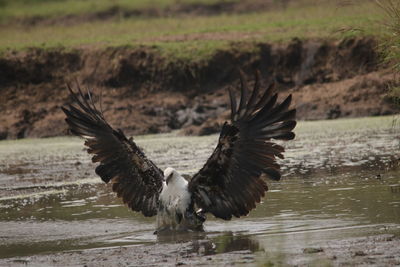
[[380, 250], [338, 203]]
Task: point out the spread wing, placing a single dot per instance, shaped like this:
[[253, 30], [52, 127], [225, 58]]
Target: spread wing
[[231, 182], [136, 179]]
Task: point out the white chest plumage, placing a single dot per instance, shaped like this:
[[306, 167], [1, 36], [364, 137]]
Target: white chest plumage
[[173, 202], [175, 196]]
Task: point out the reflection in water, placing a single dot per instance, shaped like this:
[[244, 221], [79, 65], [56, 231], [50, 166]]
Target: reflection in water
[[208, 243], [229, 242], [179, 237], [223, 243], [337, 183]]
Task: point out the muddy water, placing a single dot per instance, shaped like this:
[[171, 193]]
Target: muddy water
[[341, 181]]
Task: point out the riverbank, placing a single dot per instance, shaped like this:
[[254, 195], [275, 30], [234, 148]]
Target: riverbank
[[166, 65], [143, 92]]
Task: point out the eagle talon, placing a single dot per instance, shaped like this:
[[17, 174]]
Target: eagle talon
[[201, 215]]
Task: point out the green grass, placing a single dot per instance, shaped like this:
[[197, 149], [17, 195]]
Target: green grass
[[10, 9], [390, 43], [197, 37]]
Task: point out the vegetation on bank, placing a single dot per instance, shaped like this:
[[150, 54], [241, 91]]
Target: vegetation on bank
[[11, 9], [390, 45], [192, 37]]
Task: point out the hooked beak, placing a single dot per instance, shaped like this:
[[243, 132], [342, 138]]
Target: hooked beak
[[168, 178]]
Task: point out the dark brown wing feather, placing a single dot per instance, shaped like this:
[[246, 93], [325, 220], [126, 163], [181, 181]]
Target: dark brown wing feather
[[135, 179], [230, 183]]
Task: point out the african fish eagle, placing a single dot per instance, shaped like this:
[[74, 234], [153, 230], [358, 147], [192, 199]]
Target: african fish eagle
[[229, 184]]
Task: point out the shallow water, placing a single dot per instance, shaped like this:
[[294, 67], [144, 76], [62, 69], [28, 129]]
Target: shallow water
[[341, 179]]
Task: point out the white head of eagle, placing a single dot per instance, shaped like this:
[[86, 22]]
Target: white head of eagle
[[229, 184]]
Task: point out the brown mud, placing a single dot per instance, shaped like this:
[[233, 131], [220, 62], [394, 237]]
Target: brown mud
[[144, 92], [378, 250]]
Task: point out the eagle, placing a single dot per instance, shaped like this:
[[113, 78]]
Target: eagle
[[231, 182]]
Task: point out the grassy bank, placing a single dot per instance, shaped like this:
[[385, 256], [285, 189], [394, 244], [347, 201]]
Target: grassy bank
[[11, 9], [184, 36], [390, 44]]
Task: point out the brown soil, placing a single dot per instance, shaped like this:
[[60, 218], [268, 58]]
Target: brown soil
[[143, 92]]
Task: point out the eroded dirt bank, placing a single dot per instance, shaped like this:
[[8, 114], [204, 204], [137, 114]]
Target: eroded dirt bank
[[143, 92]]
